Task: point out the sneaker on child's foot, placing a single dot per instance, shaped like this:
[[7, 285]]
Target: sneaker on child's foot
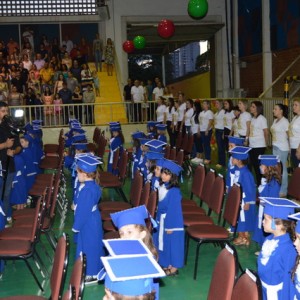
[[90, 280]]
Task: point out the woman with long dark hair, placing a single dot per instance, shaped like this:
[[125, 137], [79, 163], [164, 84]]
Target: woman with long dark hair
[[195, 128], [170, 111]]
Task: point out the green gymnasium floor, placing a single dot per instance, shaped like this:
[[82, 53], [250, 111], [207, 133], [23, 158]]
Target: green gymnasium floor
[[16, 279]]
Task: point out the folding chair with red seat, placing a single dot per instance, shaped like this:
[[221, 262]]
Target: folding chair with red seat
[[116, 182], [101, 146], [188, 148], [134, 198], [224, 275], [173, 154], [293, 186], [15, 249], [247, 287], [167, 151], [204, 194], [179, 140], [53, 149], [197, 186], [96, 138], [179, 157], [109, 226], [210, 233], [215, 205], [76, 282], [58, 273], [184, 142]]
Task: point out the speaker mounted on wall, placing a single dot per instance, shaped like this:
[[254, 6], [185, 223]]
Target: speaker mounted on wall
[[103, 12]]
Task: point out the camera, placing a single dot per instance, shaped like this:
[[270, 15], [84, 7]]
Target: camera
[[14, 124]]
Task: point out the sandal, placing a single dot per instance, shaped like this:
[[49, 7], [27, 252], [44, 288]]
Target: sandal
[[170, 273]]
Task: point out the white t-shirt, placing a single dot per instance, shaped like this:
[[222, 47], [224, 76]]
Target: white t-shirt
[[294, 132], [170, 113], [257, 137], [279, 134], [204, 118], [137, 93], [175, 117], [242, 123], [27, 65], [194, 126], [235, 127], [181, 110], [188, 114], [228, 119], [219, 119], [160, 113], [158, 92]]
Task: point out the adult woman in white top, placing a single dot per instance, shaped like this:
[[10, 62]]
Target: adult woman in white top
[[219, 131], [187, 116], [161, 110], [181, 111], [294, 133], [228, 120], [195, 129], [206, 118], [280, 141], [170, 116], [244, 119], [258, 137], [27, 64]]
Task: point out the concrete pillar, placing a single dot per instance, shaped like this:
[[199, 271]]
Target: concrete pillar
[[266, 48], [235, 42]]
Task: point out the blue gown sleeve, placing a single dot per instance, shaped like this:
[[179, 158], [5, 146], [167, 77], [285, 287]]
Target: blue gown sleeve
[[174, 218]]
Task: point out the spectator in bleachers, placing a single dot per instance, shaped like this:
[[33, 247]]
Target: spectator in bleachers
[[137, 96], [29, 99], [158, 91], [17, 82], [58, 85], [98, 51], [67, 60], [109, 55], [67, 43], [46, 74], [3, 87], [39, 61], [55, 49], [44, 52], [12, 61], [76, 70], [66, 96], [64, 70], [80, 59], [86, 77], [73, 52], [72, 82], [89, 98], [27, 63], [77, 99], [11, 45], [127, 98], [96, 83], [27, 50], [33, 83], [84, 49], [28, 35]]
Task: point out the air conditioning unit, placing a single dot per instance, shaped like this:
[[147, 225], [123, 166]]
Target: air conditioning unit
[[103, 12]]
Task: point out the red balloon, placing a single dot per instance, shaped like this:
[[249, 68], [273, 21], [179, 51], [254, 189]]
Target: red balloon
[[128, 46], [166, 28]]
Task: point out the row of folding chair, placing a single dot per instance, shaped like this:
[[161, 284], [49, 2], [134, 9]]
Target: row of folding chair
[[98, 144], [225, 283], [75, 286]]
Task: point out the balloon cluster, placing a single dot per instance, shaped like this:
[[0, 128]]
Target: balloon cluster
[[197, 9]]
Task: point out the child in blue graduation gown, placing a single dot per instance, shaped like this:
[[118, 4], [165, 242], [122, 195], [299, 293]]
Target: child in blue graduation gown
[[136, 151], [18, 195], [116, 142], [233, 141], [169, 235], [278, 255], [161, 131], [270, 187], [151, 130], [87, 219], [29, 155], [244, 177]]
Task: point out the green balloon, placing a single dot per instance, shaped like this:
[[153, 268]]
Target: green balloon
[[139, 42], [197, 9]]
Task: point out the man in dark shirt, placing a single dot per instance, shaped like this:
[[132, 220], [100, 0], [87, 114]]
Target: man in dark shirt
[[29, 98], [66, 96], [8, 148], [127, 98]]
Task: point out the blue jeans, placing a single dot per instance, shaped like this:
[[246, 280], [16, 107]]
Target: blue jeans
[[205, 141], [98, 60], [283, 155], [221, 146]]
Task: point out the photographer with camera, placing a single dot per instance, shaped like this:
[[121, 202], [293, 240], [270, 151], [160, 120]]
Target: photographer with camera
[[9, 146]]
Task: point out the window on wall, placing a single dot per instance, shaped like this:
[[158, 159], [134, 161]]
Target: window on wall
[[13, 8]]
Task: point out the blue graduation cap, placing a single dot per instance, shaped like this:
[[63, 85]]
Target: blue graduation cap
[[135, 215], [151, 124], [155, 145], [27, 127], [75, 125], [88, 163], [37, 122], [172, 166], [278, 207], [138, 135], [240, 152], [115, 128], [143, 141], [238, 141], [125, 280], [80, 146], [268, 160], [161, 127], [160, 162], [297, 218], [74, 122], [78, 138], [151, 155], [126, 247]]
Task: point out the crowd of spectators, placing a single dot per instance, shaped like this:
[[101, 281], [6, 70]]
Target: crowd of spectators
[[49, 73]]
